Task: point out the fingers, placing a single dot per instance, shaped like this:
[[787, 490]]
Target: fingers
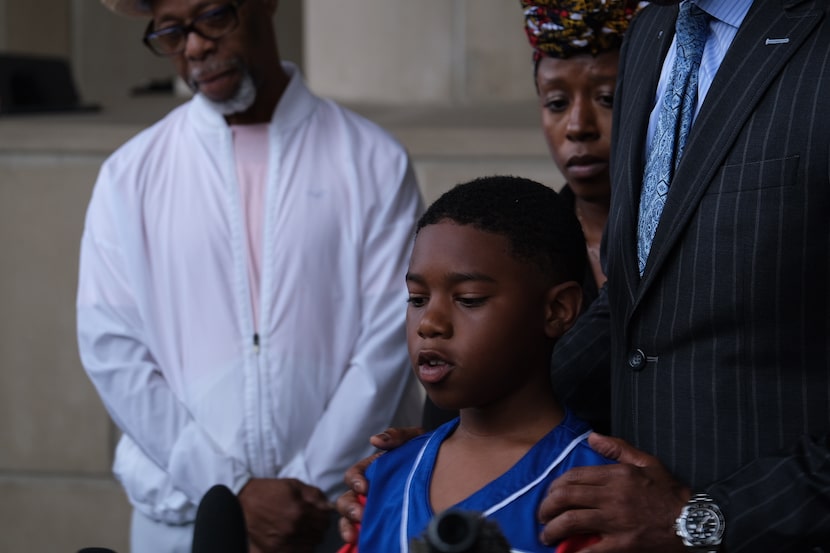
[[571, 523], [579, 488], [348, 531], [591, 475], [349, 507], [581, 499], [355, 476], [394, 437], [620, 451], [631, 507]]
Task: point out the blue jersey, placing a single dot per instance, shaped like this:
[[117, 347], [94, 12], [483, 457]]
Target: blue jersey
[[398, 508]]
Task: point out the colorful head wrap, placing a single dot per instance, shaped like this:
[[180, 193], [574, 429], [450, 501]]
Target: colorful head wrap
[[565, 28]]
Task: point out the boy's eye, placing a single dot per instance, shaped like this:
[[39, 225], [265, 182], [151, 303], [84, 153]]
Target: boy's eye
[[472, 301], [416, 301]]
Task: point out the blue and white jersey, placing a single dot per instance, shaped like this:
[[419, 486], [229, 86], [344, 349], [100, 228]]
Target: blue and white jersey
[[398, 508]]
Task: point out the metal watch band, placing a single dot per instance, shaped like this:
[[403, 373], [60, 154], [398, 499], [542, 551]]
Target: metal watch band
[[701, 524]]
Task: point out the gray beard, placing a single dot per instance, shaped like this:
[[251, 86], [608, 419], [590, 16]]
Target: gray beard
[[241, 101]]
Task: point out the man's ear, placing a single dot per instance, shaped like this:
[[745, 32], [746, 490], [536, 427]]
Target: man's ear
[[563, 304]]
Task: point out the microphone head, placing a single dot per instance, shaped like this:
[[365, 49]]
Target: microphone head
[[454, 531], [220, 523]]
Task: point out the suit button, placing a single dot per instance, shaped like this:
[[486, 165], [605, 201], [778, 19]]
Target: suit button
[[637, 360]]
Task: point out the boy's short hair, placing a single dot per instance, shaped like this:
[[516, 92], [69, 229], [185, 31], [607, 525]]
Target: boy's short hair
[[538, 224]]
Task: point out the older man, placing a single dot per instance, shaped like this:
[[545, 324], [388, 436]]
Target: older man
[[241, 286]]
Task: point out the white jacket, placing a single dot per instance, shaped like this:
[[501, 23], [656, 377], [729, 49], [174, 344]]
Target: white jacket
[[164, 314]]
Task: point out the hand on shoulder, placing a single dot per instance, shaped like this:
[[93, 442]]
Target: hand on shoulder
[[632, 505], [349, 505]]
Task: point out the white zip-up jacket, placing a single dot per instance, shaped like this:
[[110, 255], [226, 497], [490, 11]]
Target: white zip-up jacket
[[165, 324]]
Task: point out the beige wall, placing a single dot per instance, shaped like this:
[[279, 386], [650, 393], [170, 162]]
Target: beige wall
[[449, 78], [56, 441], [55, 486], [429, 52], [18, 19]]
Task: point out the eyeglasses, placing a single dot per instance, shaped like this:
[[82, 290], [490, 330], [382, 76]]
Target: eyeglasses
[[212, 25]]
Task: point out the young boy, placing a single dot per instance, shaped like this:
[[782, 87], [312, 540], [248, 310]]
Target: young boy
[[493, 282]]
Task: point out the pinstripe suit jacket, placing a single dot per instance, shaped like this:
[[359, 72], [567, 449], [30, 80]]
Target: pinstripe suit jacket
[[720, 354]]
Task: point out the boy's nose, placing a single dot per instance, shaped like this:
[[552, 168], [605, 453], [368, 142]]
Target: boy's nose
[[433, 324]]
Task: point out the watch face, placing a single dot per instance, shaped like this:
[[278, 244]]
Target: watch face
[[704, 525]]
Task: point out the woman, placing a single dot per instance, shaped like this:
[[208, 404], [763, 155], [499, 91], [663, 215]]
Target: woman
[[576, 46]]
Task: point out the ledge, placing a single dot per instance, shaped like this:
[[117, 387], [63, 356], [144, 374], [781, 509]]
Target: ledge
[[476, 131]]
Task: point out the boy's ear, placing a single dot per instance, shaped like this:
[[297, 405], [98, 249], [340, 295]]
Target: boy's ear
[[564, 302]]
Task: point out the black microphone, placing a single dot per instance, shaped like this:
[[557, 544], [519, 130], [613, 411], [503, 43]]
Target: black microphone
[[220, 523], [456, 531], [95, 550]]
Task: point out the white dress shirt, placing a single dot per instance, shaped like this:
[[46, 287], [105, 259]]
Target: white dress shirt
[[726, 19]]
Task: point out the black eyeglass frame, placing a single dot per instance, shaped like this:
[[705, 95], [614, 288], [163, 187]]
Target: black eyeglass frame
[[192, 27]]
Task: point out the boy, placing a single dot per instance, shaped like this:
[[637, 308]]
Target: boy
[[493, 282]]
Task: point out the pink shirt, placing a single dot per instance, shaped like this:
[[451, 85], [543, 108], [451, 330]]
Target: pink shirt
[[250, 145]]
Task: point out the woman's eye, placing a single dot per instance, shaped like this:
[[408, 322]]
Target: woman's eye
[[606, 100], [556, 104]]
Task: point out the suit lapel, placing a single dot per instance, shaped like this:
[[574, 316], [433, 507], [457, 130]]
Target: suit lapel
[[749, 68], [644, 63]]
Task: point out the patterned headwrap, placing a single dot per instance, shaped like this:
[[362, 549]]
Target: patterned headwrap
[[565, 28]]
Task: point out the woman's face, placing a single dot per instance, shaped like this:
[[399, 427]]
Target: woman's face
[[576, 96]]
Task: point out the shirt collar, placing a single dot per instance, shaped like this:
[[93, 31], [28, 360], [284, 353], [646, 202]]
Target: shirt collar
[[731, 12], [295, 106]]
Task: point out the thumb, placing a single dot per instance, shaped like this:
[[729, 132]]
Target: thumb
[[620, 450]]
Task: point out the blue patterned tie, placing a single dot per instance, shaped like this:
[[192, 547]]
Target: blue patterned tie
[[673, 123]]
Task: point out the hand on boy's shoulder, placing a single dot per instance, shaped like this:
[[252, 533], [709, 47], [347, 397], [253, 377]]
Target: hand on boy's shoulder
[[389, 439], [349, 505], [635, 500]]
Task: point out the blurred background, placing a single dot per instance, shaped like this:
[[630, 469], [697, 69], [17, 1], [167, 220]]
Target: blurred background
[[451, 79]]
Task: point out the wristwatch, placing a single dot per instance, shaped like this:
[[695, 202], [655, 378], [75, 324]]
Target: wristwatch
[[701, 524]]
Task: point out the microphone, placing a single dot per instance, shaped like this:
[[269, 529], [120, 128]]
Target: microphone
[[95, 550], [456, 531], [220, 523]]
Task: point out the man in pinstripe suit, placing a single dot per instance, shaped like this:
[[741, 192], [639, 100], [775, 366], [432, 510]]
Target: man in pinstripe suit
[[716, 361], [720, 351]]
